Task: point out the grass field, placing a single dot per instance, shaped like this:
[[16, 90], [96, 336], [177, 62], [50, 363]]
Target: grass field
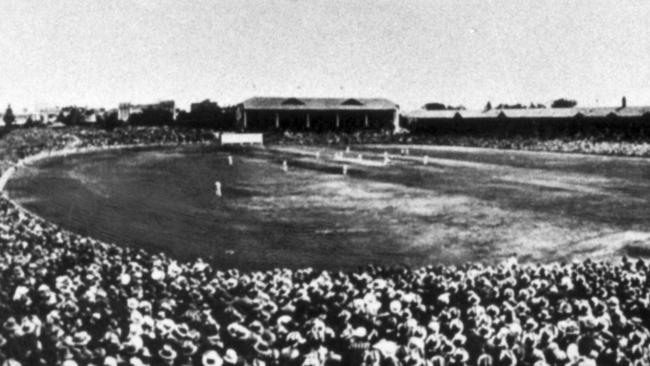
[[465, 205]]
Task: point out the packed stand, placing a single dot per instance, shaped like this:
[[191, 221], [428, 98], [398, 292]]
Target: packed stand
[[81, 302], [576, 144], [142, 136], [70, 300], [20, 143]]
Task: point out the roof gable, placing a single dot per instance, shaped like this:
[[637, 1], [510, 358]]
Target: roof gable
[[322, 104], [293, 101], [351, 101]]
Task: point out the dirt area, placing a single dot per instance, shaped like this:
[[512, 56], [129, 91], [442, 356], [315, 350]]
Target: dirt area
[[463, 205]]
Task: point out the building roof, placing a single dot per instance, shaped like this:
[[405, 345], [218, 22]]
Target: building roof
[[291, 103], [437, 114], [633, 111], [539, 113]]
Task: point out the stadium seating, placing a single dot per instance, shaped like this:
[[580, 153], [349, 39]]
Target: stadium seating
[[70, 300]]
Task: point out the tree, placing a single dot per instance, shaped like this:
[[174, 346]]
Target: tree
[[108, 120], [9, 117], [488, 106], [435, 106], [510, 106], [30, 122], [564, 103], [71, 116]]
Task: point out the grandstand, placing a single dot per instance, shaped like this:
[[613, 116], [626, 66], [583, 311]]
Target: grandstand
[[316, 114], [537, 122]]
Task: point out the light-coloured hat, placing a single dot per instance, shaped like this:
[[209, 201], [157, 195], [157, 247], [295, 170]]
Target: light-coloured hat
[[386, 348], [78, 339], [135, 361], [167, 353], [11, 325], [263, 349], [230, 356], [27, 327], [460, 354], [395, 306], [110, 361], [132, 303], [211, 358], [188, 348], [238, 331], [359, 332]]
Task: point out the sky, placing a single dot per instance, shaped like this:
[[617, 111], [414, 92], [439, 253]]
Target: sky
[[101, 53]]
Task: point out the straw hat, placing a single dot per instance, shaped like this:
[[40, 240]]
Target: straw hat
[[295, 338], [445, 298], [165, 326], [485, 331], [507, 358], [359, 333], [133, 345], [230, 357], [110, 361], [11, 325], [386, 347], [437, 360], [283, 321], [589, 323], [167, 353], [188, 348], [145, 307], [263, 350], [238, 331], [460, 355], [78, 339], [211, 358], [256, 327], [395, 307], [181, 331], [456, 325], [135, 361], [484, 360]]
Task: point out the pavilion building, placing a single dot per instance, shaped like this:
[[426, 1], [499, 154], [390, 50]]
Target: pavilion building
[[317, 114]]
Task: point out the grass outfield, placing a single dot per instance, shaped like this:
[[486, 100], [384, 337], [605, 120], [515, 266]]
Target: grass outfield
[[464, 205]]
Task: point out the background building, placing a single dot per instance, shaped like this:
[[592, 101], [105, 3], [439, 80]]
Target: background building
[[316, 114], [622, 121], [126, 110]]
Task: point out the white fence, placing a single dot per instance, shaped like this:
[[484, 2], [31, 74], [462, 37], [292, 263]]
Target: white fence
[[229, 138]]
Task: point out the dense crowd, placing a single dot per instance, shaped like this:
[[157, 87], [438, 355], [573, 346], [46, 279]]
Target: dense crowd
[[575, 144], [80, 302], [71, 300], [142, 135], [20, 143]]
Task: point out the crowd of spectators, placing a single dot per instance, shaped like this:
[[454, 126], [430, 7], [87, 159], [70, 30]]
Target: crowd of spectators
[[70, 300], [20, 143], [575, 144], [130, 135]]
